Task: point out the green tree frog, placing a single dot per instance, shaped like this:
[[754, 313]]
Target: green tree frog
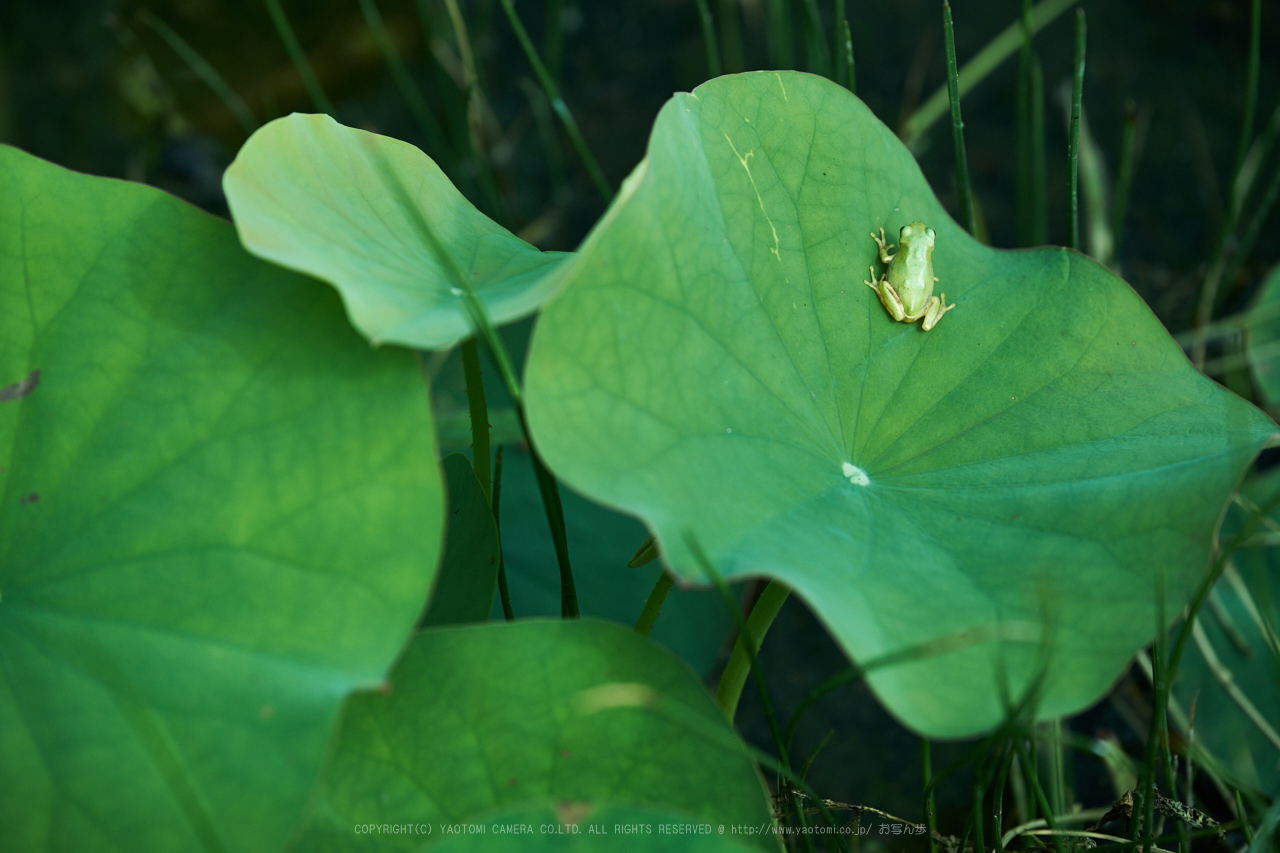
[[906, 288]]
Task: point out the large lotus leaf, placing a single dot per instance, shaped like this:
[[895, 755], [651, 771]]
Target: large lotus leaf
[[353, 208], [1027, 468], [1239, 625], [481, 720], [469, 566], [569, 828], [220, 513]]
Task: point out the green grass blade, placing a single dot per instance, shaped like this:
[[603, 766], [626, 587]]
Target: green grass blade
[[1243, 817], [1095, 188], [997, 801], [476, 109], [1039, 168], [744, 631], [1057, 776], [837, 44], [957, 125], [1150, 754], [553, 37], [1250, 99], [1031, 773], [551, 150], [206, 72], [808, 762], [1073, 143], [1245, 246], [1262, 838], [479, 415], [549, 489], [926, 771], [976, 815], [701, 725], [850, 77], [779, 35], [557, 103], [1209, 290], [816, 54], [1258, 152], [1124, 174], [1023, 174], [309, 80], [939, 645], [977, 69], [1222, 674], [714, 69], [1161, 676], [504, 592], [845, 676], [735, 55]]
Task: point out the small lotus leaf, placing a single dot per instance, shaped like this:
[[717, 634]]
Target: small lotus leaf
[[353, 208], [479, 721]]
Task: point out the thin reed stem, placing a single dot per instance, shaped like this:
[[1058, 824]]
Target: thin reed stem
[[957, 125], [731, 37], [206, 72], [850, 77], [557, 103], [504, 593], [309, 80], [1073, 144], [1039, 167], [1124, 174], [427, 123], [926, 770], [653, 605], [479, 409], [714, 68], [981, 65]]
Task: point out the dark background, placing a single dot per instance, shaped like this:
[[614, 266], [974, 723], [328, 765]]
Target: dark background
[[86, 84]]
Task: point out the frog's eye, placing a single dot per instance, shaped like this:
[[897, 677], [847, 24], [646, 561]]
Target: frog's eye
[[929, 233]]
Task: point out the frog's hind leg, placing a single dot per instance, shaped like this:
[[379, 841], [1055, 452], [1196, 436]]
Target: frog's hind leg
[[937, 307], [892, 302]]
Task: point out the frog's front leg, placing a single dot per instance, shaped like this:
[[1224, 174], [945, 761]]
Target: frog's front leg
[[934, 311], [885, 257]]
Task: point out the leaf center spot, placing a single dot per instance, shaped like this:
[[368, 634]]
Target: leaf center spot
[[854, 474]]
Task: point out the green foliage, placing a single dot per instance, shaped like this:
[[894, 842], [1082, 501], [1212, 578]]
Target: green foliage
[[1262, 333], [1232, 673], [1022, 479], [351, 208], [693, 623], [574, 715], [221, 512]]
